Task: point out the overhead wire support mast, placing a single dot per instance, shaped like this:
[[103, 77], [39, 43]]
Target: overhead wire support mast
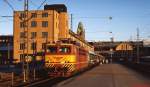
[[25, 41], [71, 21]]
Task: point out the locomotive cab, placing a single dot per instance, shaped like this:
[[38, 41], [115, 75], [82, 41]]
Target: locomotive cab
[[60, 59], [64, 59]]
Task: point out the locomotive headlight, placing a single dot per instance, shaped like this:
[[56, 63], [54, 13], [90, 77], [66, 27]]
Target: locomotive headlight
[[62, 62]]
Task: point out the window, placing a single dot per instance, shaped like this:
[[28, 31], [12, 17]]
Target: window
[[22, 24], [22, 56], [33, 35], [22, 46], [33, 23], [34, 15], [22, 34], [44, 14], [64, 50], [44, 23], [43, 45], [22, 15], [44, 34], [52, 49], [33, 46]]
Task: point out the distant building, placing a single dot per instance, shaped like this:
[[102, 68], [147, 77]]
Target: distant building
[[6, 49], [118, 51], [146, 42]]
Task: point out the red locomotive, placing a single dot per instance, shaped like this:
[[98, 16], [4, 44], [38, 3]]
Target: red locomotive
[[64, 60]]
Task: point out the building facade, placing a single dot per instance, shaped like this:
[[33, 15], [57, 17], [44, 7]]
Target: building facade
[[119, 50], [6, 49], [33, 31], [43, 26]]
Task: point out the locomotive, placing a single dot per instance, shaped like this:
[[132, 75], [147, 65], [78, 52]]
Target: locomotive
[[66, 59]]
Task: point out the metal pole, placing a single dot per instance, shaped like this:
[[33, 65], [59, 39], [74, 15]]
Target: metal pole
[[25, 25], [45, 48], [34, 47], [23, 56], [12, 82], [8, 51], [111, 49], [34, 73], [111, 57], [46, 45], [138, 60], [71, 21], [35, 55], [26, 14]]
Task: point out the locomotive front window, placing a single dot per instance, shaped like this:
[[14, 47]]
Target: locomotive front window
[[52, 49], [64, 50]]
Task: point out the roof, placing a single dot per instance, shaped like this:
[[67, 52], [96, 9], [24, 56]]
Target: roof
[[57, 7]]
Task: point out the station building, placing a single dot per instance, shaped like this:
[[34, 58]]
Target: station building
[[119, 50], [6, 49]]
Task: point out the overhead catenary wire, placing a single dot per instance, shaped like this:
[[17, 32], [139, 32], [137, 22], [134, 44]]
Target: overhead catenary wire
[[66, 1], [6, 16], [9, 5], [109, 17], [109, 32], [41, 4], [6, 1], [33, 3]]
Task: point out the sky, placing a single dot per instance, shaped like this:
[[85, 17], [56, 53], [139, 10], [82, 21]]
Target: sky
[[127, 16]]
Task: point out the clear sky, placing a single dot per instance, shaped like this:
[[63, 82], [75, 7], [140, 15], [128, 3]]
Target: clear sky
[[127, 15]]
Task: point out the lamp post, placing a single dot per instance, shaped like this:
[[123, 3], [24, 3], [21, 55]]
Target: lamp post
[[111, 55], [8, 50], [34, 56], [138, 58], [111, 48]]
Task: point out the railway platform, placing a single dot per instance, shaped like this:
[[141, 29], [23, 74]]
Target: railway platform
[[107, 75]]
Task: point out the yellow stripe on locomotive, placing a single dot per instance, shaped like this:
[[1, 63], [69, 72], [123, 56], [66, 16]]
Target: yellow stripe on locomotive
[[60, 59]]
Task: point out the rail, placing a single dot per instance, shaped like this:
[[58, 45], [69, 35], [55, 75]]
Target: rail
[[140, 67]]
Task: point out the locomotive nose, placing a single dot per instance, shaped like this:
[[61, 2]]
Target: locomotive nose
[[60, 68]]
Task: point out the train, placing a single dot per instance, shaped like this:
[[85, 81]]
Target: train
[[66, 59]]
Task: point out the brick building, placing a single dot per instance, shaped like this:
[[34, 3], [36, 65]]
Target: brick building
[[44, 26]]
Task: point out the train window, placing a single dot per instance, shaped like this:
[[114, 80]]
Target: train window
[[64, 50], [52, 49]]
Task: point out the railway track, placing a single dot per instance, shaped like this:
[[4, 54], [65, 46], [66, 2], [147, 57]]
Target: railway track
[[50, 81], [40, 81], [140, 67], [34, 82], [44, 82]]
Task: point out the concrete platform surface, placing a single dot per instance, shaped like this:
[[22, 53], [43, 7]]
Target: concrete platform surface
[[107, 75]]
